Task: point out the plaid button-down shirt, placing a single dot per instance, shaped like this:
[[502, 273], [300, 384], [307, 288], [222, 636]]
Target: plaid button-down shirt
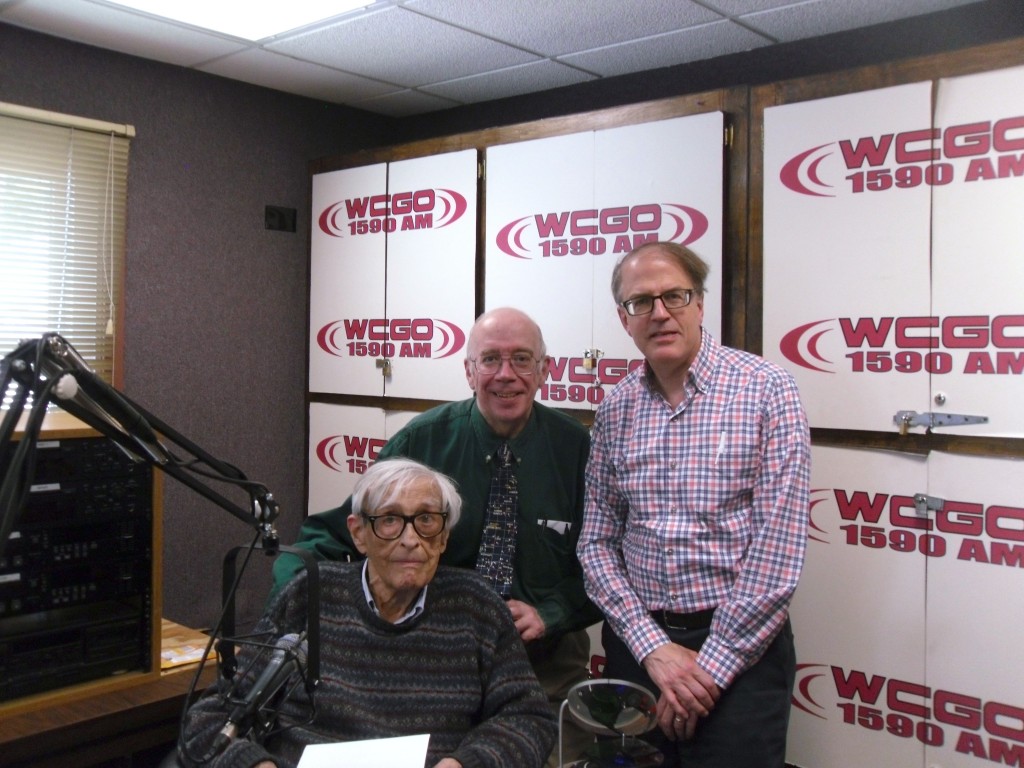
[[701, 506]]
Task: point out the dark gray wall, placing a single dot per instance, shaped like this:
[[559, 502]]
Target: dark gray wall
[[215, 322]]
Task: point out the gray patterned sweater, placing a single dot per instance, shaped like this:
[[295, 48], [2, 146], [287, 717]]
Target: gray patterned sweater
[[457, 671]]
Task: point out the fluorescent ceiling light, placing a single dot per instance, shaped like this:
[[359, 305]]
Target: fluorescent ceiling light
[[251, 20]]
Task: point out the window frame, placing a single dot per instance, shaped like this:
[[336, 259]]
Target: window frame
[[63, 211]]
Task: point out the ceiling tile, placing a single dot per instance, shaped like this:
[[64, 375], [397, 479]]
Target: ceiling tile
[[708, 41], [737, 7], [120, 30], [557, 27], [526, 78], [404, 104], [397, 46], [283, 73], [823, 17], [403, 57]]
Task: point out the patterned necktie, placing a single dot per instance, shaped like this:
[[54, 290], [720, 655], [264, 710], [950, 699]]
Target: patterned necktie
[[498, 543]]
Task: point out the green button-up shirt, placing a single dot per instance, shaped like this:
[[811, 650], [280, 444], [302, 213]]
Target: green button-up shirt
[[551, 455]]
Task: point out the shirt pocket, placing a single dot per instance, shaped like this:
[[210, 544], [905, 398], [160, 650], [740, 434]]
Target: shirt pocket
[[737, 456], [735, 466], [548, 551]]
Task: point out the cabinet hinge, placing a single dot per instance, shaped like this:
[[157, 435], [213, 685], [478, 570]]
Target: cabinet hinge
[[907, 419]]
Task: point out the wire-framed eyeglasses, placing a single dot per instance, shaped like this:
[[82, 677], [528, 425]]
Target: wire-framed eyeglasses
[[390, 526], [644, 305], [521, 362]]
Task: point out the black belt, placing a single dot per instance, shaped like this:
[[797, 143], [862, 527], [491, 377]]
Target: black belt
[[695, 620]]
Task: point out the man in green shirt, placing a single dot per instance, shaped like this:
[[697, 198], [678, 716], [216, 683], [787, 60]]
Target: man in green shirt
[[506, 363]]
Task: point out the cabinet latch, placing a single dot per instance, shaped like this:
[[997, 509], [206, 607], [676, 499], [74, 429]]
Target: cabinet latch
[[385, 367], [923, 504], [907, 419], [590, 357]]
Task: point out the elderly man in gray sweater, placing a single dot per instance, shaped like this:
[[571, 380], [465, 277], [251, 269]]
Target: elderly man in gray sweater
[[407, 647]]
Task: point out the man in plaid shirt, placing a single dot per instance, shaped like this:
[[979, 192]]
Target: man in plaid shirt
[[695, 522]]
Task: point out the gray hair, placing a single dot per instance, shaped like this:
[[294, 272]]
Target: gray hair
[[387, 478]]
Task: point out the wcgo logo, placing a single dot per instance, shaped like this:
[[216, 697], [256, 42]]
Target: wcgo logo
[[980, 150], [384, 213], [970, 344], [348, 453], [969, 531], [593, 232], [909, 710], [421, 337]]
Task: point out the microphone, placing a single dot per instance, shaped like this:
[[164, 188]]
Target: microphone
[[289, 656]]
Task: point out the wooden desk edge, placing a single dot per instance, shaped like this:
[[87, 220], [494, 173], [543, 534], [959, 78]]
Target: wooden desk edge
[[104, 716]]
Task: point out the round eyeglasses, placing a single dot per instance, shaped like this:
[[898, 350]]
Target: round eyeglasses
[[521, 362], [644, 305], [390, 527]]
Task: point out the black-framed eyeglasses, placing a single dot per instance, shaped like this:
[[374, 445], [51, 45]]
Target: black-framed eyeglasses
[[521, 362], [644, 305], [390, 527]]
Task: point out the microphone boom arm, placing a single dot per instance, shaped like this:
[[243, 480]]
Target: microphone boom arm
[[265, 509], [52, 371]]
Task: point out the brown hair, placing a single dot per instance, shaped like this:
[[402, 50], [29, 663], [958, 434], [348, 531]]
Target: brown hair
[[692, 264]]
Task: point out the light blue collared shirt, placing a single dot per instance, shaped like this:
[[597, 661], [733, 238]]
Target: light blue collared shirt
[[415, 610]]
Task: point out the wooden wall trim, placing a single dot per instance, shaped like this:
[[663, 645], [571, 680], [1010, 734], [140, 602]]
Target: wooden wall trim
[[984, 58], [612, 117]]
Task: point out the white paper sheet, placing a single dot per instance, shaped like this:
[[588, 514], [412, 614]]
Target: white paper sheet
[[398, 752]]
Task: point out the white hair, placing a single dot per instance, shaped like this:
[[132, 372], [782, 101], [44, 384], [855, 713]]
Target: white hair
[[387, 478]]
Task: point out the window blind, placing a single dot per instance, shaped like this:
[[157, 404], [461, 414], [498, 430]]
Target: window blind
[[63, 191]]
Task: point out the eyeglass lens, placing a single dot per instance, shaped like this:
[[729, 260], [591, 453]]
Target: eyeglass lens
[[426, 524], [642, 305], [523, 362]]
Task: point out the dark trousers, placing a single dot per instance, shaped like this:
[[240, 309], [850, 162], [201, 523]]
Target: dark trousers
[[747, 727]]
